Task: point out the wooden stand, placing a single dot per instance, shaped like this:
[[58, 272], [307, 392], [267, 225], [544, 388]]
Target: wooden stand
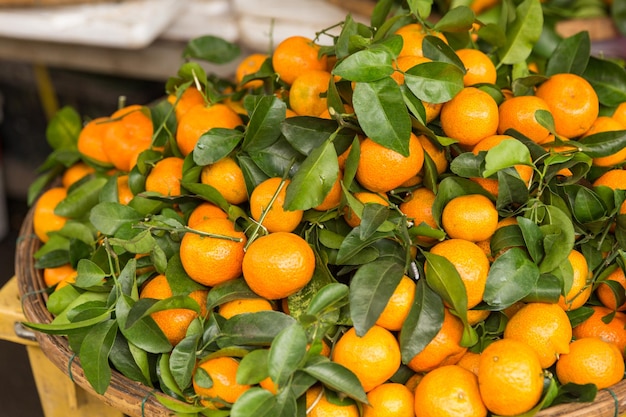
[[59, 396]]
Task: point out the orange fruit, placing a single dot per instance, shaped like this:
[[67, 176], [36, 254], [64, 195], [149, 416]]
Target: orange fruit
[[444, 349], [470, 262], [250, 65], [382, 169], [605, 293], [413, 381], [175, 321], [91, 141], [364, 197], [216, 255], [244, 305], [165, 177], [307, 95], [200, 119], [544, 327], [607, 124], [479, 6], [413, 35], [45, 220], [479, 68], [54, 275], [373, 357], [278, 265], [75, 173], [470, 116], [581, 289], [398, 307], [619, 113], [404, 63], [191, 97], [596, 326], [437, 154], [470, 217], [449, 391], [525, 172], [124, 194], [226, 177], [572, 101], [203, 211], [476, 316], [510, 377], [389, 400], [129, 133], [419, 209], [318, 405], [269, 385], [225, 389], [266, 206], [64, 282], [519, 113], [295, 55], [591, 360], [334, 196], [470, 361], [614, 179]]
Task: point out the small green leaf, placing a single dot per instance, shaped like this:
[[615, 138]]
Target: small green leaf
[[287, 353], [367, 65], [255, 402], [444, 279], [608, 79], [108, 217], [508, 153], [265, 122], [212, 49], [523, 33], [571, 55], [215, 144], [337, 377], [253, 368], [89, 274], [94, 355], [81, 199], [327, 297], [511, 277], [182, 360], [434, 82], [255, 329], [63, 129]]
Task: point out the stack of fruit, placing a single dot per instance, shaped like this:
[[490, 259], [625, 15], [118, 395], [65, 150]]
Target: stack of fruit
[[414, 221]]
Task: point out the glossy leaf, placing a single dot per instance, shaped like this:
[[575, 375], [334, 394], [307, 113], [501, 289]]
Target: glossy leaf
[[287, 353], [604, 143], [337, 377], [94, 355], [215, 144], [382, 114], [253, 367], [559, 238], [182, 360], [507, 153], [327, 297], [81, 199], [571, 55], [109, 217], [265, 123], [366, 66], [255, 402], [523, 33], [228, 291], [423, 322], [434, 82], [144, 333], [608, 79], [63, 129], [256, 329], [212, 49], [371, 288], [511, 277], [444, 279]]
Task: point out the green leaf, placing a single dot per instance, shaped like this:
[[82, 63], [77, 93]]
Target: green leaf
[[215, 144], [255, 329], [434, 82], [603, 143], [183, 360], [264, 126], [327, 297], [94, 355], [559, 236], [89, 274], [458, 19], [523, 33], [253, 367], [587, 206], [287, 353], [571, 55], [533, 238], [108, 217], [143, 307], [508, 153], [423, 322], [444, 279], [64, 128], [314, 179], [370, 290], [81, 199], [366, 66], [382, 114], [337, 377], [130, 361], [608, 79], [229, 291], [144, 333], [212, 49], [277, 159], [255, 402], [511, 277], [306, 133]]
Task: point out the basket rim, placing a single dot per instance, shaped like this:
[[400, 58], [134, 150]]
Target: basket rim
[[137, 400]]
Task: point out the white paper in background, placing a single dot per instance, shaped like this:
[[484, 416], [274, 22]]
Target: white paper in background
[[265, 23], [128, 24], [204, 17]]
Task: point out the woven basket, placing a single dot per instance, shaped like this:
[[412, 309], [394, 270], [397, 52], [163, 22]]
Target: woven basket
[[46, 3], [137, 400], [131, 398]]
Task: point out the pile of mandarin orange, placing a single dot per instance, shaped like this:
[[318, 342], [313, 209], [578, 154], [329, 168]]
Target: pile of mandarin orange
[[446, 378]]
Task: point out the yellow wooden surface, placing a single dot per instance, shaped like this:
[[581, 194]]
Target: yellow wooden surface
[[59, 396]]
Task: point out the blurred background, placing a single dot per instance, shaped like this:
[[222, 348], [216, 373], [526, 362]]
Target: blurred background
[[86, 54]]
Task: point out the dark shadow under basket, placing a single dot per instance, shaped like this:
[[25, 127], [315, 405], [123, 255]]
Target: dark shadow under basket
[[137, 400]]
